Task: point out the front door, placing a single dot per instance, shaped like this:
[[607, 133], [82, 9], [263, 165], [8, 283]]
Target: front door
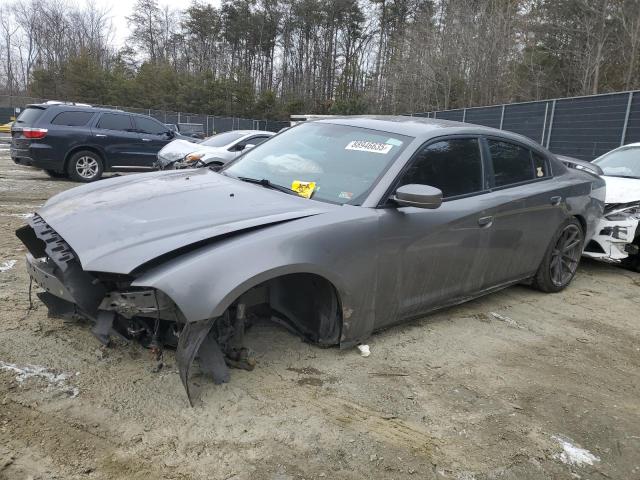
[[153, 136], [435, 257]]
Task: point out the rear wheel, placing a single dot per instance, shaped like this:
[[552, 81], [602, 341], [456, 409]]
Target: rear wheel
[[85, 166], [561, 260]]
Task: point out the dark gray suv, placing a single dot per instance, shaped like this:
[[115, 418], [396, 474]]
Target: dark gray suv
[[82, 142]]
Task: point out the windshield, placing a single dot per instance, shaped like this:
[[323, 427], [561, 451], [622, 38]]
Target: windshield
[[621, 163], [222, 139], [342, 163]]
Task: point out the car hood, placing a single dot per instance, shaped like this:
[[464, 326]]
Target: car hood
[[175, 150], [178, 149], [119, 224], [622, 190]]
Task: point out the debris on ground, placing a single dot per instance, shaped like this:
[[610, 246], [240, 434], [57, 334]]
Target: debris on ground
[[503, 318], [364, 350]]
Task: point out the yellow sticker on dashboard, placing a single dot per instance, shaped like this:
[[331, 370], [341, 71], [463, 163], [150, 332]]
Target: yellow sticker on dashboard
[[304, 189]]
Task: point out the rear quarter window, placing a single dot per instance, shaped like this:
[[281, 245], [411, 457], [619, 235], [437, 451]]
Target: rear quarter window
[[72, 119], [29, 116]]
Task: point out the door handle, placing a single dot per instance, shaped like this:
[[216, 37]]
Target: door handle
[[100, 135], [555, 201], [485, 221], [146, 139]]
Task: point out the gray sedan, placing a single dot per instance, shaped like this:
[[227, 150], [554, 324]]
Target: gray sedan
[[334, 229]]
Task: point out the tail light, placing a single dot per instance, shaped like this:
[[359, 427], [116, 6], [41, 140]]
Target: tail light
[[34, 132]]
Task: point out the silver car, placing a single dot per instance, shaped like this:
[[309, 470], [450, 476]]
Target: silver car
[[216, 150], [334, 228]]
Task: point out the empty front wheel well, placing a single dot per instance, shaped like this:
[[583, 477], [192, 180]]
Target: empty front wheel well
[[307, 303]]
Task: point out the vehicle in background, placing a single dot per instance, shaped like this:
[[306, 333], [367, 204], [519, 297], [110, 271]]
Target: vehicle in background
[[6, 128], [617, 236], [334, 229], [580, 164], [193, 130], [82, 142], [216, 150]]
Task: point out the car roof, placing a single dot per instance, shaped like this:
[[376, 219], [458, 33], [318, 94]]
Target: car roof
[[424, 128]]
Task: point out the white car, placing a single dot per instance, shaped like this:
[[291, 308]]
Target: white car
[[216, 150], [617, 237]]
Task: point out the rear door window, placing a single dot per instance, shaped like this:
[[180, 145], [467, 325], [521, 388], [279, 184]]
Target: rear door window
[[29, 116], [150, 126], [511, 163], [454, 166], [72, 119], [115, 121]]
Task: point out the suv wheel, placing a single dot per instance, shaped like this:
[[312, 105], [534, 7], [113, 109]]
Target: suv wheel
[[85, 166], [561, 261]]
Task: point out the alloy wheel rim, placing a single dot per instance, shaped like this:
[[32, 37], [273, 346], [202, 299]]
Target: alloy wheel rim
[[87, 167], [566, 255]]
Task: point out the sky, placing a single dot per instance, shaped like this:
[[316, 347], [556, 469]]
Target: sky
[[121, 9]]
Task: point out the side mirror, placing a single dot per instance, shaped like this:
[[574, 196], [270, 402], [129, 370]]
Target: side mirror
[[249, 146], [171, 134], [419, 196]]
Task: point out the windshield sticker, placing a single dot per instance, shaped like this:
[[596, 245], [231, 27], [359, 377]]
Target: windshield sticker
[[395, 142], [345, 195], [304, 189], [372, 147]]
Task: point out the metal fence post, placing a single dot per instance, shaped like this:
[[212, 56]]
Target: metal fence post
[[544, 124], [502, 117], [464, 116], [435, 114], [626, 119], [553, 112]]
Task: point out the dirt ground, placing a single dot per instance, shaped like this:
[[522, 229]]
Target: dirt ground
[[510, 386]]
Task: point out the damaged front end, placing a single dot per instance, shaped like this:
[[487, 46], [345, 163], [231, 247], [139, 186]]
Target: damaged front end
[[617, 235], [117, 309]]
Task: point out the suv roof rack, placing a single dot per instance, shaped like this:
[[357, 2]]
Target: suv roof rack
[[58, 102]]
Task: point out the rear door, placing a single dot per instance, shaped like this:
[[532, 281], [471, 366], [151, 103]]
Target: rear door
[[525, 213], [115, 134], [153, 136]]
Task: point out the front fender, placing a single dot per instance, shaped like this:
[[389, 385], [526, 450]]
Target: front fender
[[205, 282]]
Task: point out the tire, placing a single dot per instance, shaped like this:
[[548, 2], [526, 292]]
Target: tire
[[85, 166], [54, 174], [561, 259]]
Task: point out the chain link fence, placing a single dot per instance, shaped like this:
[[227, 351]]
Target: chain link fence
[[580, 127], [211, 124]]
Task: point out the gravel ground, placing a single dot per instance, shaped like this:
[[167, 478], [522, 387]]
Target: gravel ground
[[516, 385]]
